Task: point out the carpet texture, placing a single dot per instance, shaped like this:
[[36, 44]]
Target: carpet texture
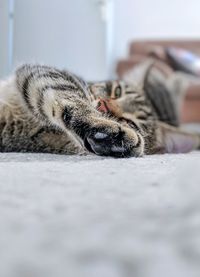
[[99, 217]]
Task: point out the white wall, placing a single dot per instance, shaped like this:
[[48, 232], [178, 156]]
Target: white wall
[[4, 26], [71, 33], [137, 19], [64, 33]]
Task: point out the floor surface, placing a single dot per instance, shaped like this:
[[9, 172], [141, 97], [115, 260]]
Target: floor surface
[[99, 217]]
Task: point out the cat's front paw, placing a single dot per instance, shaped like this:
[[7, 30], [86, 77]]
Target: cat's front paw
[[123, 143]]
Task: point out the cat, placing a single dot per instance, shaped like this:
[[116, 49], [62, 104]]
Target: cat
[[47, 110]]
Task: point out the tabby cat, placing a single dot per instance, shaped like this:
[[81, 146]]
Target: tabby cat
[[43, 109]]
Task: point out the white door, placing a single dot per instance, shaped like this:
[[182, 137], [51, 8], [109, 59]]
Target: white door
[[74, 34]]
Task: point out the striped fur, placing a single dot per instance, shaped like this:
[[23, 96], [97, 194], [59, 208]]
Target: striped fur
[[44, 109]]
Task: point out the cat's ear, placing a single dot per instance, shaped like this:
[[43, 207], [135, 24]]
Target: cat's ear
[[174, 140], [140, 73]]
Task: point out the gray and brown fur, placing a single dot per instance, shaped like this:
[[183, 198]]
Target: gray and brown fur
[[43, 109]]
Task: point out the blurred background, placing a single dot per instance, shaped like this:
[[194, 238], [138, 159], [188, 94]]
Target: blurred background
[[89, 216], [89, 37]]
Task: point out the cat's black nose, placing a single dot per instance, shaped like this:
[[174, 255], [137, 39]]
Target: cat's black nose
[[107, 144]]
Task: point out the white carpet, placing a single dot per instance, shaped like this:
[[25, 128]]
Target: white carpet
[[99, 217]]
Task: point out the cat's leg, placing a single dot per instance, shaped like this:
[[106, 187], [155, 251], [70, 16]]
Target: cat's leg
[[168, 94], [50, 140], [171, 139], [62, 100], [166, 90]]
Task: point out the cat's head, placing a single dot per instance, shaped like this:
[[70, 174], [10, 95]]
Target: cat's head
[[121, 99], [124, 98]]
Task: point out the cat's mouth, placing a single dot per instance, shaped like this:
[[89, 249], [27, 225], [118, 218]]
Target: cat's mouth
[[110, 107]]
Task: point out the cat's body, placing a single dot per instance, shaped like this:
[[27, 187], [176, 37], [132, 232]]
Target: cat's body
[[43, 109]]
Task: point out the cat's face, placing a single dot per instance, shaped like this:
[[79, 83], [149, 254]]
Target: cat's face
[[123, 100]]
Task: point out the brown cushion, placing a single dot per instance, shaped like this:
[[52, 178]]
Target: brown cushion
[[145, 47], [125, 65]]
